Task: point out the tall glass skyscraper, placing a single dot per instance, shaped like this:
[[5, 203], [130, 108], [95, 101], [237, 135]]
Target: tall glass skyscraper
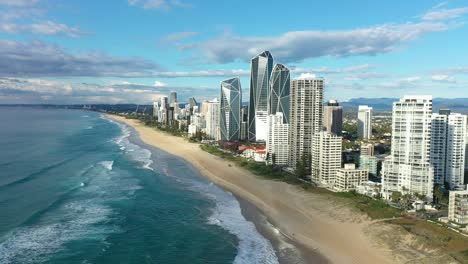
[[260, 74], [230, 105], [173, 99], [279, 92]]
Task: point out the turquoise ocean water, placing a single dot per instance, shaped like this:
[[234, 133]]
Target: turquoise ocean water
[[78, 188]]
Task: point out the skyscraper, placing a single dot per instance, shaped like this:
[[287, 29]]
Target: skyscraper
[[408, 169], [448, 146], [261, 67], [230, 104], [365, 122], [306, 116], [278, 96], [156, 109], [212, 118], [277, 143], [326, 158], [333, 117], [193, 104], [173, 99], [162, 117]]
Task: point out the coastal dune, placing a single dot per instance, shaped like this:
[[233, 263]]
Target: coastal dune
[[308, 219]]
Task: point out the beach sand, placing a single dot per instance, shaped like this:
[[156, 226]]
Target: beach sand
[[311, 221]]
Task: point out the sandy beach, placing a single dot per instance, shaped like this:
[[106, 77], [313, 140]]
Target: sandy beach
[[318, 224]]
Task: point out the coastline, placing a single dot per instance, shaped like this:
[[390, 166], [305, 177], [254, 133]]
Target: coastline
[[303, 218]]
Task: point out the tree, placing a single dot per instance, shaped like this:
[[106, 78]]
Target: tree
[[396, 196], [300, 169]]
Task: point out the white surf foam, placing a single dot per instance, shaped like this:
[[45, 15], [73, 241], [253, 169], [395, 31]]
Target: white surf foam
[[136, 152], [84, 214], [107, 164], [253, 247]]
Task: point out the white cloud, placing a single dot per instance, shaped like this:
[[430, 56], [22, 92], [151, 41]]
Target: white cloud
[[297, 46], [443, 78], [445, 14], [41, 28], [177, 37], [34, 90], [401, 83], [37, 59], [305, 76], [158, 4], [16, 19], [19, 3], [159, 84]]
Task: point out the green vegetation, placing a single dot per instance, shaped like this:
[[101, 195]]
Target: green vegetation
[[437, 237], [375, 209]]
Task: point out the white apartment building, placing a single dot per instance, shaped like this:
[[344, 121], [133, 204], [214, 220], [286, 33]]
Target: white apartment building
[[365, 122], [212, 118], [458, 207], [306, 116], [349, 178], [326, 158], [277, 142], [408, 169], [448, 148], [156, 109]]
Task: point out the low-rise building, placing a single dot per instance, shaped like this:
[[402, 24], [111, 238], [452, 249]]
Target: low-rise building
[[256, 153], [370, 188], [348, 178], [458, 207]]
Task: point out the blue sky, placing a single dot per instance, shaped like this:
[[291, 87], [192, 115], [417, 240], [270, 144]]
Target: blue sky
[[133, 51]]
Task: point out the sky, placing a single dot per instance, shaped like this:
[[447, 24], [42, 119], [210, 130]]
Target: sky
[[134, 51]]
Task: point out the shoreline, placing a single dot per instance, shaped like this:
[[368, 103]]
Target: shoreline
[[287, 250], [302, 218]]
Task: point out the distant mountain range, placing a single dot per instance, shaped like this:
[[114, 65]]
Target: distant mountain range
[[459, 105]]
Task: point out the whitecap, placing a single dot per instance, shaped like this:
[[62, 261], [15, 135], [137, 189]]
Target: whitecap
[[108, 164]]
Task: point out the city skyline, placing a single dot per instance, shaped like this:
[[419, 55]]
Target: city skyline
[[88, 61]]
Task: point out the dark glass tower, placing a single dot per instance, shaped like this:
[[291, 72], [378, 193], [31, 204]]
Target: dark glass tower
[[278, 101], [261, 67], [230, 106]]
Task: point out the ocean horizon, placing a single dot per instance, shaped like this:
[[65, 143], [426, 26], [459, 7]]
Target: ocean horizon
[[76, 187]]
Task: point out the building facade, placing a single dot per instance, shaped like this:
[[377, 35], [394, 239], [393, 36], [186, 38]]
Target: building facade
[[448, 148], [333, 117], [326, 158], [367, 150], [278, 96], [364, 122], [306, 117], [349, 178], [458, 207], [212, 118], [230, 105], [163, 107], [369, 163], [173, 99], [261, 67], [278, 142], [408, 169]]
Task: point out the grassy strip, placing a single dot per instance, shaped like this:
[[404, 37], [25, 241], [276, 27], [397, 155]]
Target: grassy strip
[[437, 237], [375, 209]]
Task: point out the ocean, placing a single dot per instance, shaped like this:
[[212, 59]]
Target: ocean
[[76, 187]]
